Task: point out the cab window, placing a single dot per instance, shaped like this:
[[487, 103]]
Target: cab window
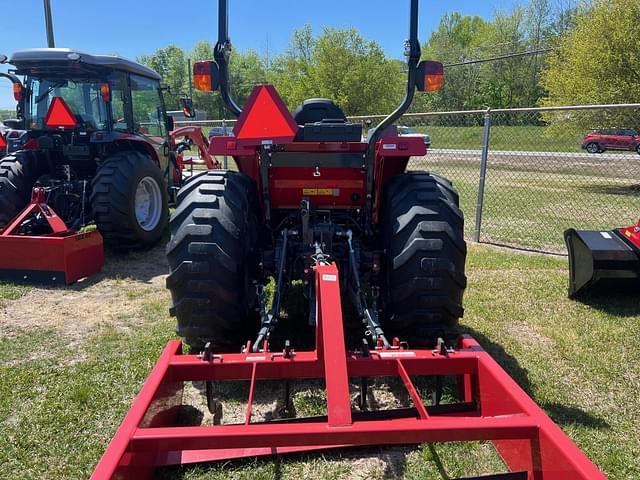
[[117, 81], [147, 107]]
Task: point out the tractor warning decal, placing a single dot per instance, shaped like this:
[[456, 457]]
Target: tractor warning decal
[[59, 115], [265, 119]]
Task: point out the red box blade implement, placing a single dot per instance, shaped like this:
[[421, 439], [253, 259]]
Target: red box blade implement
[[491, 407], [60, 256]]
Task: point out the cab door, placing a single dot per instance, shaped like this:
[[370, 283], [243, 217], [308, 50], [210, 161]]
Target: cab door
[[148, 115]]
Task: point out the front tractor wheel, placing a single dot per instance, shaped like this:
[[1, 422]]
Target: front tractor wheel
[[423, 234], [212, 261], [129, 201]]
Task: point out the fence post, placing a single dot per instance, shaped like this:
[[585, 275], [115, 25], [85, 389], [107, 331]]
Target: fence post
[[483, 173], [224, 133]]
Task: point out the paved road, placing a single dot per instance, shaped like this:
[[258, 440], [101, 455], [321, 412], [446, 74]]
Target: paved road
[[518, 153]]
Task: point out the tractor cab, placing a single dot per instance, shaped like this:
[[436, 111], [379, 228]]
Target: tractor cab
[[92, 125], [87, 101]]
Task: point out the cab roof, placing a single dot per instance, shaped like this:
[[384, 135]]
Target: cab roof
[[52, 60]]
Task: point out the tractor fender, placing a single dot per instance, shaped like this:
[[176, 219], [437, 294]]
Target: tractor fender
[[127, 141]]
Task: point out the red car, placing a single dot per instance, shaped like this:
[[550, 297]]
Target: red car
[[598, 141]]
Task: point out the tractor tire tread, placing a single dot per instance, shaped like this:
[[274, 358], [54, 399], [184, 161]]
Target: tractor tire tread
[[209, 253], [423, 233]]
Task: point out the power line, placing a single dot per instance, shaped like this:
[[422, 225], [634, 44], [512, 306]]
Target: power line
[[501, 57]]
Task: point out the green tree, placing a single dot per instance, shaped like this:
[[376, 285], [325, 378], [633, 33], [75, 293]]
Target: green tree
[[599, 62], [340, 65], [456, 39], [246, 69], [171, 64]]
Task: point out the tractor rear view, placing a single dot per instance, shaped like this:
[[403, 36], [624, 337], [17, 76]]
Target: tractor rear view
[[95, 141], [314, 205], [308, 191]]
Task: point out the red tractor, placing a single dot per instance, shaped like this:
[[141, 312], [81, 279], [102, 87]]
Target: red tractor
[[95, 139], [308, 190], [313, 204], [92, 137]]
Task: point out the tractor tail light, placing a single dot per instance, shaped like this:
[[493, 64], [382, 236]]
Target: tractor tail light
[[206, 77], [105, 92], [430, 76], [18, 92]]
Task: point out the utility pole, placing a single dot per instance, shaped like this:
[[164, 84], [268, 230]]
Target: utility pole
[[48, 20]]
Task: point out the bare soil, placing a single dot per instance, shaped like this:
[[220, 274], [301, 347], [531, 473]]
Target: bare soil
[[115, 297]]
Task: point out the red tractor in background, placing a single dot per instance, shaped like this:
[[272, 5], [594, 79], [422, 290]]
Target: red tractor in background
[[94, 139]]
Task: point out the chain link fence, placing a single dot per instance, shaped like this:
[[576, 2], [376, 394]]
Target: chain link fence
[[522, 174]]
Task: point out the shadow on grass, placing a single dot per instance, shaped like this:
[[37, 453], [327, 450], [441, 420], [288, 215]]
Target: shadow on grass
[[561, 414], [612, 189], [394, 459], [614, 297]]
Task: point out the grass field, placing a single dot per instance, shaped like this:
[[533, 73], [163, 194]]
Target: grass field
[[530, 201], [63, 392], [523, 138]]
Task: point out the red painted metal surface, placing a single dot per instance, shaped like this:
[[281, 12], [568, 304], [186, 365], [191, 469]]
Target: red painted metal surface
[[632, 233], [62, 256], [496, 408], [333, 188], [200, 141], [266, 121]]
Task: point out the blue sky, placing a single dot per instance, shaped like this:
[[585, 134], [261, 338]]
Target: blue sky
[[132, 28]]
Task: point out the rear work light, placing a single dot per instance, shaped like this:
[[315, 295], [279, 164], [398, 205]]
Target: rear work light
[[206, 76], [430, 76]]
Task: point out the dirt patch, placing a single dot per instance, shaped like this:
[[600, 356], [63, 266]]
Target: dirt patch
[[115, 297]]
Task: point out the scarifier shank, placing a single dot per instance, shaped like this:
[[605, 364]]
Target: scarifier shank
[[60, 257], [493, 406]]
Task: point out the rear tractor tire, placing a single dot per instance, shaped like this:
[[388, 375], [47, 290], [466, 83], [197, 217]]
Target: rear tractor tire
[[129, 201], [213, 238], [18, 174], [423, 234]]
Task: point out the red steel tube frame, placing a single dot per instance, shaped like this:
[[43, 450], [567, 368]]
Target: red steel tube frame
[[525, 437]]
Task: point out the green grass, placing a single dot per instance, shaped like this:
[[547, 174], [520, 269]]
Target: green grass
[[527, 138], [9, 291], [59, 406]]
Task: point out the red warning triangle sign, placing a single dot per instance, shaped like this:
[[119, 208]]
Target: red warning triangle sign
[[3, 142], [265, 118], [59, 115]]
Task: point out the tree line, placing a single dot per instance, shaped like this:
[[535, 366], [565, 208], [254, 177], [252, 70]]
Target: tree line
[[589, 53]]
